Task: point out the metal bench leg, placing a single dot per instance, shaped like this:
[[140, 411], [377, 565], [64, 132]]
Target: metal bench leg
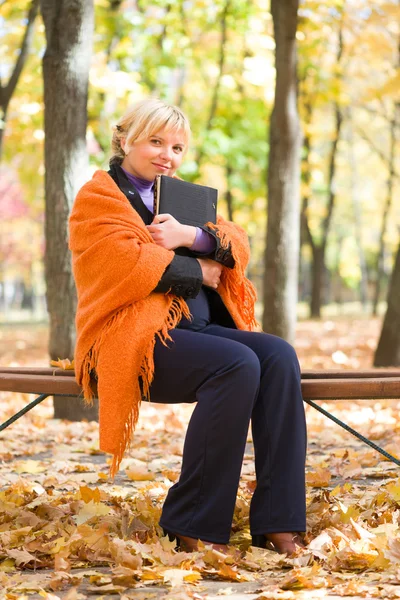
[[26, 409], [354, 432]]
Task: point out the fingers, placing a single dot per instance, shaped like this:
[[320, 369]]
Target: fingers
[[162, 218], [153, 228]]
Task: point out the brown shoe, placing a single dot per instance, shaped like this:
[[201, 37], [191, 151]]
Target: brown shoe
[[283, 543], [188, 544]]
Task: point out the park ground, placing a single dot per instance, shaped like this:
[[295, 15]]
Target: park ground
[[68, 531]]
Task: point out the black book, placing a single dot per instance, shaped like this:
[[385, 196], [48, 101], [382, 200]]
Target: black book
[[189, 203]]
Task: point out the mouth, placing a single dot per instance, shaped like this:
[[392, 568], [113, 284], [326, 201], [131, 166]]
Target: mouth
[[161, 167]]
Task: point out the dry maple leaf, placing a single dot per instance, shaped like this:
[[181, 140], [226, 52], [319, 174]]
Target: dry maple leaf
[[176, 577], [321, 545], [30, 466], [139, 473], [90, 510], [89, 494], [230, 573], [305, 578], [319, 478], [63, 363], [22, 557], [276, 595], [349, 560], [124, 556]]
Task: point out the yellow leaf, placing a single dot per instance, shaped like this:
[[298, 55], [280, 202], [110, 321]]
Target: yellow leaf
[[7, 565], [29, 466], [303, 579], [63, 363], [341, 489], [230, 573], [192, 576], [88, 494], [350, 560], [176, 577], [319, 478], [140, 474], [59, 544], [348, 512], [394, 490], [91, 509], [150, 575], [362, 533]]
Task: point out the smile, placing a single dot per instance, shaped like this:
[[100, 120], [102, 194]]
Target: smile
[[163, 167]]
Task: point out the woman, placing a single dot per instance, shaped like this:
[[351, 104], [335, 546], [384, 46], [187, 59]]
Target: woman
[[157, 325]]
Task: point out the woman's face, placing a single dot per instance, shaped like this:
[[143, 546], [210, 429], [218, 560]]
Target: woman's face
[[161, 154]]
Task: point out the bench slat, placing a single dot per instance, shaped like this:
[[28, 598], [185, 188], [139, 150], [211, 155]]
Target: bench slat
[[317, 389], [306, 374], [42, 384], [50, 371], [356, 389], [351, 374]]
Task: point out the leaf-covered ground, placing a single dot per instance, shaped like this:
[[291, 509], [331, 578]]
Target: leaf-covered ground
[[67, 531]]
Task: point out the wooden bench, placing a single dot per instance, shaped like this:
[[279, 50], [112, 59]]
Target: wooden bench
[[329, 385]]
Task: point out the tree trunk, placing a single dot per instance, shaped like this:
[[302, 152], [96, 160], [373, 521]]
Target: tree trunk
[[282, 246], [388, 351], [318, 250], [355, 199], [379, 265], [318, 280], [228, 194], [69, 30]]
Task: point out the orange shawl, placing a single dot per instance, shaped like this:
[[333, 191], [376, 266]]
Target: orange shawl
[[116, 266]]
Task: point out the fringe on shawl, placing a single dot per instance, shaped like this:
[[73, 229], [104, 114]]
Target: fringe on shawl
[[177, 309], [90, 361], [235, 279]]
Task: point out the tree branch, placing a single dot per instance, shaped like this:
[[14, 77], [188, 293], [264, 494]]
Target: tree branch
[[161, 37], [378, 151], [375, 113], [214, 101], [8, 90]]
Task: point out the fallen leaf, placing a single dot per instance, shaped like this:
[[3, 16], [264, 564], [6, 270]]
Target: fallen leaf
[[22, 557], [319, 478], [139, 473], [63, 363], [30, 466]]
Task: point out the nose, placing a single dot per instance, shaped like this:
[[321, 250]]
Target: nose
[[166, 153]]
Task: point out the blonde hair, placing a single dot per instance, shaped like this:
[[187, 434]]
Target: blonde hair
[[143, 120]]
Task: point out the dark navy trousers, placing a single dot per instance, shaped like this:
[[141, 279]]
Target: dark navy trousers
[[236, 378]]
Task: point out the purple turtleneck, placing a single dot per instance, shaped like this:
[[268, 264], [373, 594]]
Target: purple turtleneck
[[204, 242]]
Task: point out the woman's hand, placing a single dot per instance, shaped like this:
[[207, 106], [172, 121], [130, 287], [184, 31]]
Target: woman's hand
[[211, 272], [168, 233]]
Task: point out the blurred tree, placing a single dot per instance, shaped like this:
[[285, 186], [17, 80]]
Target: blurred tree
[[388, 350], [7, 90], [318, 242], [217, 85], [69, 31], [394, 124], [282, 245]]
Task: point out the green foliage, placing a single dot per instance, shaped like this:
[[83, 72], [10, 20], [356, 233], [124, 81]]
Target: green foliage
[[172, 48]]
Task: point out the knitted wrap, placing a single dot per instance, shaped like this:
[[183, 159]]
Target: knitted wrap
[[116, 266]]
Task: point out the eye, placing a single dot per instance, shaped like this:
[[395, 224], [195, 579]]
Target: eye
[[155, 141], [178, 149]]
